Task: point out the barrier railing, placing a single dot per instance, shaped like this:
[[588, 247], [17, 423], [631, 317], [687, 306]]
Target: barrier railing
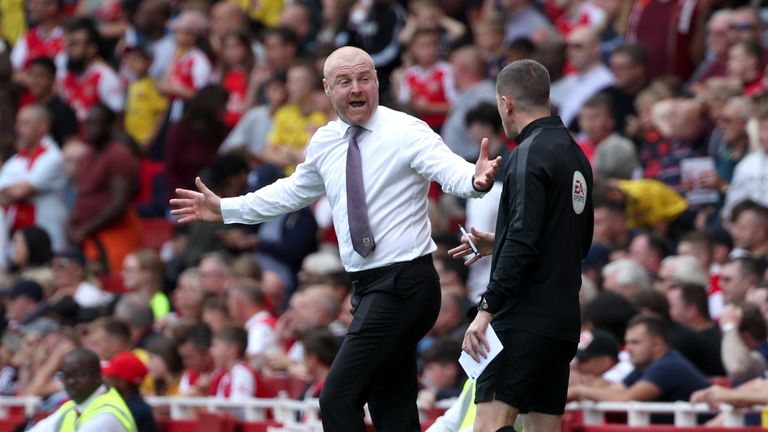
[[303, 416], [639, 413]]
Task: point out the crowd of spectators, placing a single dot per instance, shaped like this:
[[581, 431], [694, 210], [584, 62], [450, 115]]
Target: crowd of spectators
[[107, 107]]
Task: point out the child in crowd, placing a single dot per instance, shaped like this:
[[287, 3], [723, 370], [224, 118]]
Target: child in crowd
[[237, 60], [145, 106], [427, 87], [234, 380]]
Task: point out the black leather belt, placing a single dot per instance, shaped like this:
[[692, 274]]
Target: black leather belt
[[378, 271]]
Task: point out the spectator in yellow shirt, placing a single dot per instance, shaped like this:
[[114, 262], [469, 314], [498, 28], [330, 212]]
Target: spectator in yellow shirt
[[145, 106], [295, 122]]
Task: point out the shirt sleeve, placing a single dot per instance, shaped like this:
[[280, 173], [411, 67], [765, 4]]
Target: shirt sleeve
[[47, 424], [48, 173], [243, 384], [19, 53], [111, 92], [528, 179], [286, 195], [427, 154], [260, 340], [201, 71]]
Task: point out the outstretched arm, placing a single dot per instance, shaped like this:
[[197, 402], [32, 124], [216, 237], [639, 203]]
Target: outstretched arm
[[197, 206]]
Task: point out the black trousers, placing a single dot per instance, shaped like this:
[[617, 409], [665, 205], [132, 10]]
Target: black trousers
[[393, 307]]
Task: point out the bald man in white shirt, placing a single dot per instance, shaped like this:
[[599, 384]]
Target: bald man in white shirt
[[375, 165]]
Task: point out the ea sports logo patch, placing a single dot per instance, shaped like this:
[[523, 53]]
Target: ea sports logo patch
[[579, 192]]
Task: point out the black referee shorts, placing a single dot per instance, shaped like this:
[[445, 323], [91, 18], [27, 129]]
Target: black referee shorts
[[530, 374]]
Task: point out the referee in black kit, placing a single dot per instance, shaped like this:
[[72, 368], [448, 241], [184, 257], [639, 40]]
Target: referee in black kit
[[543, 230]]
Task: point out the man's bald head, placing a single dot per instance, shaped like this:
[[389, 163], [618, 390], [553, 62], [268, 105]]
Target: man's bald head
[[349, 79], [345, 56], [32, 123]]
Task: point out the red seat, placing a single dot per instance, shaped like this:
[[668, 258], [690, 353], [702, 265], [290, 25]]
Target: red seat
[[261, 426], [216, 422], [112, 283], [12, 422], [272, 386], [155, 232]]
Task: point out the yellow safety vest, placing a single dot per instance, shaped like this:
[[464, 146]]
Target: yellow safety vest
[[468, 422], [110, 402]]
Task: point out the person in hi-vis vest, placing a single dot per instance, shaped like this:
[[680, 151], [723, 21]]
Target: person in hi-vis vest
[[93, 407]]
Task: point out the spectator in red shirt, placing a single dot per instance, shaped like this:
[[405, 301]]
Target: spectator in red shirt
[[672, 31], [45, 39], [237, 60], [320, 348], [88, 80], [194, 347], [234, 380]]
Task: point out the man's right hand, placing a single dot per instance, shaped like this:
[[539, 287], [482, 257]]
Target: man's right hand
[[197, 206], [483, 241]]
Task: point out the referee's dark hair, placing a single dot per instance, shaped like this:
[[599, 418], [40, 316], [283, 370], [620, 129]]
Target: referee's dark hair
[[654, 324], [526, 82]]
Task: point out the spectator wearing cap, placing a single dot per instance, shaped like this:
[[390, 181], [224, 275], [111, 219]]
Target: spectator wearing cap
[[71, 279], [124, 373], [192, 69], [24, 309], [661, 373]]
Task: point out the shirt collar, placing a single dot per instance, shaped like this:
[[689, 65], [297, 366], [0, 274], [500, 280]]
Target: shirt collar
[[255, 318], [81, 407], [548, 121], [369, 125]]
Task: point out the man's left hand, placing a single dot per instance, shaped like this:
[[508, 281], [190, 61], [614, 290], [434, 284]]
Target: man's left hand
[[475, 344], [485, 170]]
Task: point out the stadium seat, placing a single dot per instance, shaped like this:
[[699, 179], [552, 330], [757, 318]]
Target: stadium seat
[[155, 232], [112, 283]]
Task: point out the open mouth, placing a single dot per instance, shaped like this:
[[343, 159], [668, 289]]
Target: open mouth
[[357, 104]]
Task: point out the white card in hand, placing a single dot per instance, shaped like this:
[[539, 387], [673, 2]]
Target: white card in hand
[[472, 368]]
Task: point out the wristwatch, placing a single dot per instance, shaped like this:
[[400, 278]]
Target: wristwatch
[[482, 306]]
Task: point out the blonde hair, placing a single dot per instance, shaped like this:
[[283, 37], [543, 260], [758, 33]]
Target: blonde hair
[[150, 261]]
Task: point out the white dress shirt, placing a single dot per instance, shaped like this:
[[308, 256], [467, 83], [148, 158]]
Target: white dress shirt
[[400, 156], [104, 422]]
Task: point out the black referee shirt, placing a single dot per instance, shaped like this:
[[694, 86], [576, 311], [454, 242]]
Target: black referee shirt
[[543, 230]]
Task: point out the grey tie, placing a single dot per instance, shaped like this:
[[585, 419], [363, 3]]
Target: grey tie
[[357, 209]]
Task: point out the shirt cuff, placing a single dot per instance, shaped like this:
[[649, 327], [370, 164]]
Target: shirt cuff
[[231, 209], [495, 298]]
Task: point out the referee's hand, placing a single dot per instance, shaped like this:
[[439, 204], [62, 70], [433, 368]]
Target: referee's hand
[[475, 344], [482, 239]]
